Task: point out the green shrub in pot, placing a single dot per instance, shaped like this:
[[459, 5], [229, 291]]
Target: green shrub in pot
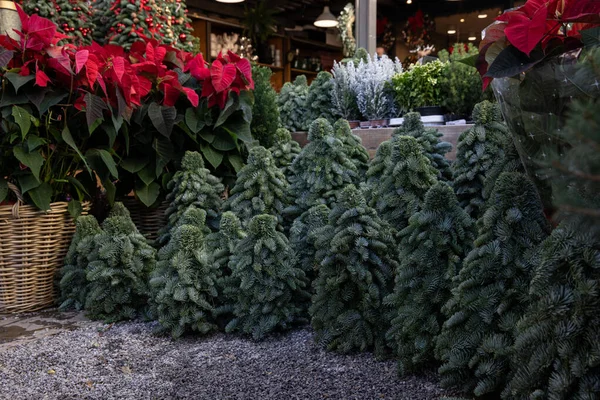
[[419, 86]]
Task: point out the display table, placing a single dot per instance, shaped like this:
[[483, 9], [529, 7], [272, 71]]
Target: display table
[[372, 138]]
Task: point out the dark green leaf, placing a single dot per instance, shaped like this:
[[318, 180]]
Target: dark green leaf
[[246, 103], [511, 62], [42, 196], [3, 190], [231, 106], [164, 151], [194, 120], [148, 194], [98, 158], [28, 182], [5, 57], [74, 208], [470, 60], [148, 174], [236, 162], [591, 37], [214, 157], [68, 138], [224, 142], [134, 165], [33, 142], [10, 98], [208, 134], [23, 119], [81, 190], [18, 80], [163, 118], [46, 99], [33, 160], [94, 107], [111, 191], [239, 129]]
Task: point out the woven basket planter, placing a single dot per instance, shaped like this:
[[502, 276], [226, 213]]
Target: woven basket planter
[[33, 245], [148, 220]]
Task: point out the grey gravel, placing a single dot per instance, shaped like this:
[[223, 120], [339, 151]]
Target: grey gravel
[[126, 361]]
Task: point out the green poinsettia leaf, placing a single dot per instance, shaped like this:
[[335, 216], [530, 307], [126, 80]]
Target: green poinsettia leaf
[[111, 191], [94, 107], [194, 119], [68, 138], [214, 157], [163, 118], [75, 209], [511, 62], [17, 80], [148, 194], [81, 190], [224, 142], [134, 165], [28, 182], [23, 119], [102, 162], [33, 160], [231, 106], [591, 37], [236, 162], [42, 196], [239, 129]]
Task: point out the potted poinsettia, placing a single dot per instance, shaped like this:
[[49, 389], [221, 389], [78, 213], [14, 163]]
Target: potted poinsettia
[[535, 57]]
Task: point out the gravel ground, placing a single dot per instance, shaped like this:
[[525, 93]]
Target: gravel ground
[[126, 361]]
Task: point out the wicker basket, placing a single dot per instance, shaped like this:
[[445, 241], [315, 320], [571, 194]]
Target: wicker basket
[[33, 245], [148, 220]]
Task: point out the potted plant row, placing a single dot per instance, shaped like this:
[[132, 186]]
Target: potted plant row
[[75, 116]]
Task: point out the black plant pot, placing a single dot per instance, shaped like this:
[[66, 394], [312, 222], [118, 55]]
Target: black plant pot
[[430, 110]]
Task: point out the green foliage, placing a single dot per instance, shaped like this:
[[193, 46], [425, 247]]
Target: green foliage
[[318, 99], [343, 96], [355, 274], [265, 113], [120, 263], [193, 185], [353, 147], [419, 86], [490, 293], [432, 248], [184, 283], [73, 282], [429, 139], [377, 167], [261, 188], [320, 170], [509, 162], [259, 21], [269, 287], [460, 83], [403, 185], [556, 350], [292, 104], [284, 150], [361, 54], [478, 150]]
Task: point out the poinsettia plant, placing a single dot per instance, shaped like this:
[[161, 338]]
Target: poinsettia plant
[[523, 37], [72, 116]]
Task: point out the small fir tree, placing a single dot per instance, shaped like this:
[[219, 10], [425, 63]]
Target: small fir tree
[[130, 20], [429, 139], [102, 19], [490, 293], [478, 149], [343, 95], [509, 162], [353, 147], [556, 350], [374, 93], [404, 184], [261, 188], [292, 104], [355, 274], [73, 282], [318, 99], [120, 263], [377, 167], [73, 18], [194, 186], [270, 286], [265, 113], [284, 150], [321, 169], [185, 282], [432, 248]]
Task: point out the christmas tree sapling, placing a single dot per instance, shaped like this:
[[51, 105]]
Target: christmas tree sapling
[[185, 282], [377, 167], [261, 188], [490, 293], [343, 95], [318, 99], [404, 184], [120, 263], [429, 139], [352, 145], [478, 149], [193, 185], [73, 282], [432, 248], [265, 113], [73, 18], [374, 94], [284, 150], [292, 104], [355, 274], [271, 287]]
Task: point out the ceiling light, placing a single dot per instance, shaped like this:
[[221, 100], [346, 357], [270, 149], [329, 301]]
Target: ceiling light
[[326, 19], [472, 37], [230, 1], [451, 30], [482, 16], [462, 20], [408, 1]]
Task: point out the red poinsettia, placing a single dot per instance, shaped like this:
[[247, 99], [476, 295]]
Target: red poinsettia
[[538, 24]]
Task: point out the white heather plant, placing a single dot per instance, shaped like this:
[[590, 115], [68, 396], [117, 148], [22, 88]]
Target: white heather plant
[[343, 94], [374, 93]]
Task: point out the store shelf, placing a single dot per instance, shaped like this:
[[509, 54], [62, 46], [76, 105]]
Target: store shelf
[[314, 43], [216, 21], [303, 71], [273, 67]]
